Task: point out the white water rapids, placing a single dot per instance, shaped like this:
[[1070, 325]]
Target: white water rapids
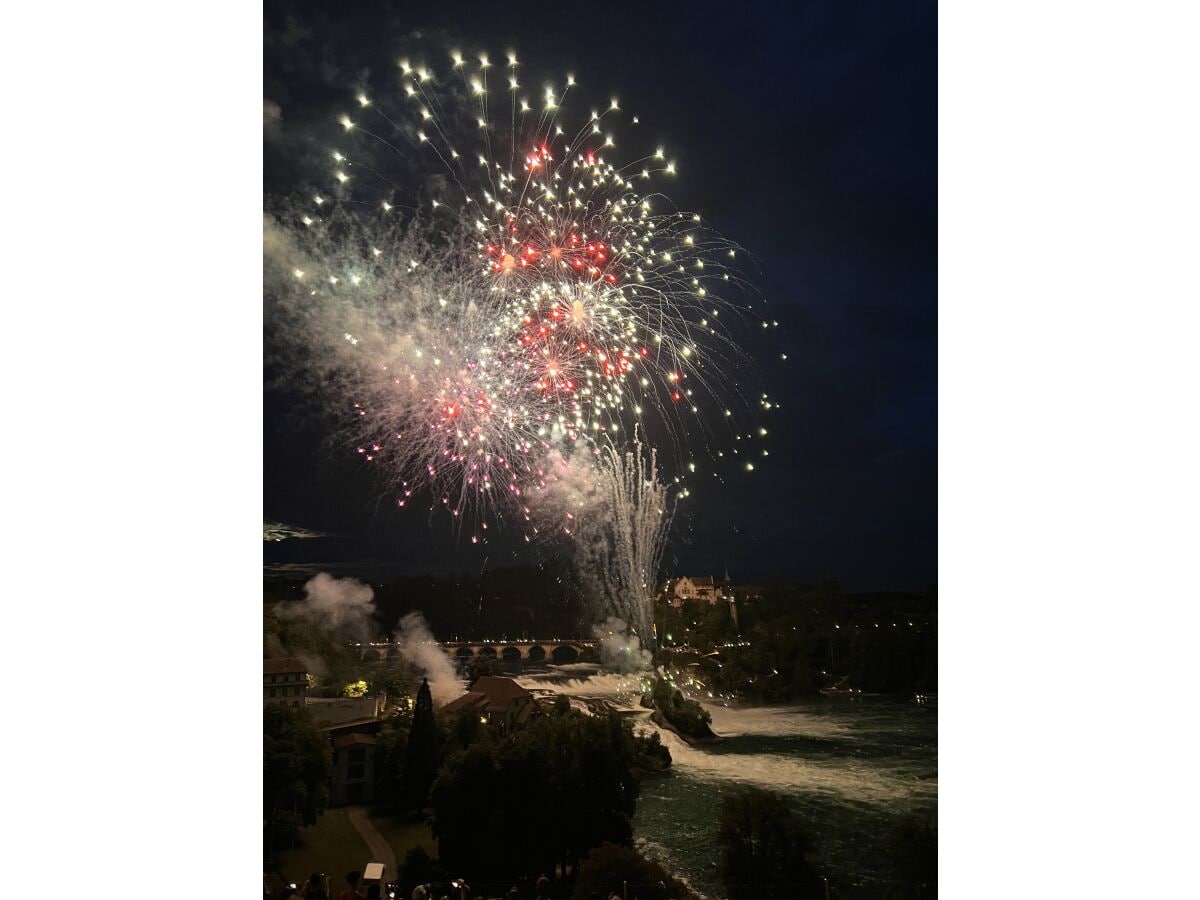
[[851, 768]]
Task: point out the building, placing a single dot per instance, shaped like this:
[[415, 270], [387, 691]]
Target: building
[[352, 777], [706, 589], [285, 681], [351, 725], [691, 587], [497, 701]]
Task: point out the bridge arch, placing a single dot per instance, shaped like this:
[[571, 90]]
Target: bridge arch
[[510, 653], [565, 653], [487, 650], [536, 653], [465, 652]]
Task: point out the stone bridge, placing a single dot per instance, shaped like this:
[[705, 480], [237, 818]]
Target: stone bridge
[[510, 651], [534, 651]]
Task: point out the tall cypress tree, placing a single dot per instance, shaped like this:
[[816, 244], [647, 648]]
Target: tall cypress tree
[[421, 754]]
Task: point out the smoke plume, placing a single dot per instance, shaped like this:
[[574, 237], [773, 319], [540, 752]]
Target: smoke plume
[[420, 649], [616, 511], [344, 607], [621, 649]]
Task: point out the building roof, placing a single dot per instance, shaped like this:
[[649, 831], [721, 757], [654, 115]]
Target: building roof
[[366, 725], [364, 701], [353, 739], [499, 688], [704, 581], [466, 701], [283, 666], [491, 693]]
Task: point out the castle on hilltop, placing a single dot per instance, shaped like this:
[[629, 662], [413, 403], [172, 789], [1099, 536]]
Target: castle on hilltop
[[706, 589]]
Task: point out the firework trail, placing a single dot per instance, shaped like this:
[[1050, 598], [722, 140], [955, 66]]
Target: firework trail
[[627, 543], [480, 288]]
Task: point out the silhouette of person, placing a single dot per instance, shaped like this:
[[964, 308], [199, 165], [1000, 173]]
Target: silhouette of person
[[352, 892]]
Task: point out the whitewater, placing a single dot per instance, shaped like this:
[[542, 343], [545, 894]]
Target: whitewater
[[853, 769]]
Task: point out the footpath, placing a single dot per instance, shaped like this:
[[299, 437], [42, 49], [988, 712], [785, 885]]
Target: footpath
[[381, 850]]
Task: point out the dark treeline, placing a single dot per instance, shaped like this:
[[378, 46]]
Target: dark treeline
[[296, 765], [798, 639]]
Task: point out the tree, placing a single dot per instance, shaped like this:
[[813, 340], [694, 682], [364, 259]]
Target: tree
[[467, 816], [609, 868], [421, 752], [390, 748], [762, 850], [539, 799], [669, 623], [395, 682], [462, 729], [296, 765], [716, 626], [480, 667]]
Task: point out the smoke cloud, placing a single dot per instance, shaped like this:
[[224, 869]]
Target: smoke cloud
[[621, 649], [420, 649], [345, 608], [342, 606]]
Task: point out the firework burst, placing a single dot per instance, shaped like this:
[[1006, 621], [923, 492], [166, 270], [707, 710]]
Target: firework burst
[[527, 292]]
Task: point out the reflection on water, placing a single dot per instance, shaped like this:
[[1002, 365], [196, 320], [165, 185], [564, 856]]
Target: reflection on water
[[853, 769]]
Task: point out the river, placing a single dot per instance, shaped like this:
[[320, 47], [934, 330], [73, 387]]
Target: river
[[853, 769]]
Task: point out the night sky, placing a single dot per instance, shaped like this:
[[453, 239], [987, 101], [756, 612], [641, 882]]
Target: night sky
[[806, 134]]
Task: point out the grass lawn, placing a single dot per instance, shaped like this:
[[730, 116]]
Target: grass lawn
[[331, 846], [403, 836]]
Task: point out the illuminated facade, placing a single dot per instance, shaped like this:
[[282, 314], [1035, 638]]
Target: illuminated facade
[[691, 587]]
